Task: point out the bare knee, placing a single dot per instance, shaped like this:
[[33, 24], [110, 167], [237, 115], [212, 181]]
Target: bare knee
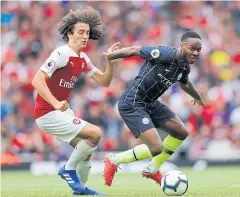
[[180, 132], [91, 133], [156, 150], [176, 128], [95, 136], [183, 134]]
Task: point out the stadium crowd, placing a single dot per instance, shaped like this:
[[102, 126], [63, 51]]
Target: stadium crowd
[[29, 34]]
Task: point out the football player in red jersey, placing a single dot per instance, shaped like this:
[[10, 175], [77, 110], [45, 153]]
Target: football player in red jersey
[[54, 82]]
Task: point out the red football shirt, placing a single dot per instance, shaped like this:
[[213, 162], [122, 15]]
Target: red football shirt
[[63, 67]]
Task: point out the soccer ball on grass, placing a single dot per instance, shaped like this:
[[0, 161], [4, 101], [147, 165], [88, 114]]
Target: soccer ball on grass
[[174, 183]]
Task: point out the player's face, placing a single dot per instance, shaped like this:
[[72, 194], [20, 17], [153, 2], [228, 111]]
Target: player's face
[[80, 35], [191, 49]]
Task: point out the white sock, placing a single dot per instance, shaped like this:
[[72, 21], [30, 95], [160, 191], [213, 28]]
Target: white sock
[[80, 153], [83, 170]]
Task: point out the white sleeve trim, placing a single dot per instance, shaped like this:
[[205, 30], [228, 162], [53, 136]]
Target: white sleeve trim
[[88, 61], [49, 67], [44, 69], [55, 61], [91, 73]]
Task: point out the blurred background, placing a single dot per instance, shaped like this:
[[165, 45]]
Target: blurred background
[[29, 34]]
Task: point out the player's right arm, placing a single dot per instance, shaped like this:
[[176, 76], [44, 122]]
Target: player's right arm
[[39, 83], [149, 53], [124, 52], [55, 61]]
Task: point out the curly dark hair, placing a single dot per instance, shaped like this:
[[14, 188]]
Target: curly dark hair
[[84, 15]]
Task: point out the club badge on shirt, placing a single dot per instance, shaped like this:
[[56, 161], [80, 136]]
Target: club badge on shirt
[[155, 53], [179, 76]]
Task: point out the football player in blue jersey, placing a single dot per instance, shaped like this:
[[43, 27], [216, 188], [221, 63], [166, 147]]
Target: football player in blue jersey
[[143, 113]]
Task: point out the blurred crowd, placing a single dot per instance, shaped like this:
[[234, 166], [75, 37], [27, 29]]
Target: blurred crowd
[[29, 35]]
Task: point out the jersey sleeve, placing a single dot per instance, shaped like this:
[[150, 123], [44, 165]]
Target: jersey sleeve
[[184, 79], [55, 61], [158, 54], [89, 68]]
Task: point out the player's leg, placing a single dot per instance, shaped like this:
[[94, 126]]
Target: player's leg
[[61, 125], [167, 119], [85, 143], [140, 124], [90, 134], [84, 166], [178, 134], [152, 139], [151, 147], [68, 128], [137, 153], [83, 170]]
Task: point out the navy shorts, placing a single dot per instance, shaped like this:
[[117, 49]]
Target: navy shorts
[[142, 117]]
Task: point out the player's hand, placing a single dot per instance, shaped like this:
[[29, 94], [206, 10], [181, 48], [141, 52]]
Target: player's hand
[[113, 48], [61, 105], [199, 102]]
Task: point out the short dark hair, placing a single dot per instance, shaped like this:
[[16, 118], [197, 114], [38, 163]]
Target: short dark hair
[[190, 34], [84, 15]]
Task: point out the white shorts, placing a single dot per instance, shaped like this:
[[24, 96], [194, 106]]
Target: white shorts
[[64, 125]]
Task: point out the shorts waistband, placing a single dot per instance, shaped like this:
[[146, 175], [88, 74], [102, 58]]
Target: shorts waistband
[[142, 104]]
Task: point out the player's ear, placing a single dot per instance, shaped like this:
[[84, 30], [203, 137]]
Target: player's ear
[[69, 34], [181, 45]]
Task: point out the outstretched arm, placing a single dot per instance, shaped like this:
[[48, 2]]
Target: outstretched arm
[[105, 78], [191, 90], [123, 52]]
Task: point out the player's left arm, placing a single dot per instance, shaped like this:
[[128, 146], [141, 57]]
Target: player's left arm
[[192, 91], [105, 78]]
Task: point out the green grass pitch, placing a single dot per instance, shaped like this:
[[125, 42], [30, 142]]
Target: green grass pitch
[[219, 182]]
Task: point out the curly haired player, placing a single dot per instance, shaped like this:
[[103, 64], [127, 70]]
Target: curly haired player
[[54, 82]]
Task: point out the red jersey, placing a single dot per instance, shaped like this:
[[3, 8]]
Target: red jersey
[[63, 67]]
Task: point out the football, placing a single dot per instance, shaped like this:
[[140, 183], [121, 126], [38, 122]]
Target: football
[[174, 183]]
